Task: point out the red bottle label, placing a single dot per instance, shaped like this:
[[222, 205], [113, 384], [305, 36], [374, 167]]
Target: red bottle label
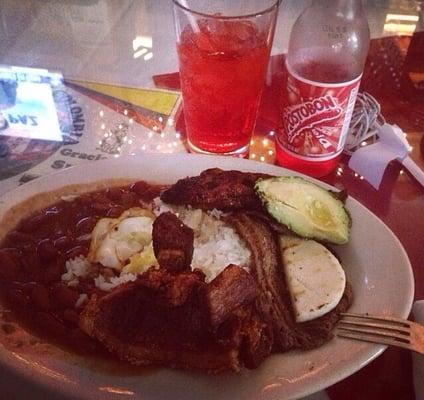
[[316, 116]]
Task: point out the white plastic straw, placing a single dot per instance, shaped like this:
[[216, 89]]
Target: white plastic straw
[[414, 169], [190, 17]]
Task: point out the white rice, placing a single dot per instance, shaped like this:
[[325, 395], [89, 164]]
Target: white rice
[[216, 245], [107, 284], [76, 268], [213, 252], [80, 267]]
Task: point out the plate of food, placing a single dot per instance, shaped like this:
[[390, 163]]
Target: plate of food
[[188, 276]]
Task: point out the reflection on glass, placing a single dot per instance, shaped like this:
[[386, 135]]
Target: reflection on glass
[[142, 46], [400, 24]]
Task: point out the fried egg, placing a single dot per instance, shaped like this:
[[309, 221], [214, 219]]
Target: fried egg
[[115, 241], [314, 276], [141, 262]]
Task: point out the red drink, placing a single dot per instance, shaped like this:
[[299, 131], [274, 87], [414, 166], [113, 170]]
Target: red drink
[[222, 69]]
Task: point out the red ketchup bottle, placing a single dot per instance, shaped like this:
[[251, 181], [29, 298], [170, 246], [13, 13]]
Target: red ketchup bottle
[[327, 51]]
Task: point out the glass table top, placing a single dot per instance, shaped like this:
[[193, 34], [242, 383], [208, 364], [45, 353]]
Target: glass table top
[[120, 95]]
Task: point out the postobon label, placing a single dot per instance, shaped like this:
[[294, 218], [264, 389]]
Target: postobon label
[[316, 116]]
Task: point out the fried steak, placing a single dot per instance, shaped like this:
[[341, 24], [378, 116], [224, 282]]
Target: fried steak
[[215, 188], [176, 320], [170, 316], [274, 300], [172, 242]]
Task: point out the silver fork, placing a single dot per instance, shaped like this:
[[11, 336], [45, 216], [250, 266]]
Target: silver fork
[[383, 330]]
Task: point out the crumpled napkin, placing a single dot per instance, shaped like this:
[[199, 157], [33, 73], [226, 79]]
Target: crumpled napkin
[[371, 161], [418, 359]]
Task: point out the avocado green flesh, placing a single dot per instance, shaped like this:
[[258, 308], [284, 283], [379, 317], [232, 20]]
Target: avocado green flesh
[[304, 207]]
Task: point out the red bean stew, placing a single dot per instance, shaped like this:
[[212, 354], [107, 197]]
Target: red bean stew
[[33, 256]]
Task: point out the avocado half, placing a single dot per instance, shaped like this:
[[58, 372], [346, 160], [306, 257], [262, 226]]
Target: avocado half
[[305, 208]]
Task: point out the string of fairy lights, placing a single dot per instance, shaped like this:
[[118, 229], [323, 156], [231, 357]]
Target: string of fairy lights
[[130, 138]]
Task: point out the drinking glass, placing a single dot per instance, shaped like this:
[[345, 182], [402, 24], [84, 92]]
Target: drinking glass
[[223, 50]]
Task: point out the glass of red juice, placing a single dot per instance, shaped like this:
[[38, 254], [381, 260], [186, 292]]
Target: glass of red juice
[[223, 50]]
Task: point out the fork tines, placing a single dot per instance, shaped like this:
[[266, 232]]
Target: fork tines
[[370, 328]]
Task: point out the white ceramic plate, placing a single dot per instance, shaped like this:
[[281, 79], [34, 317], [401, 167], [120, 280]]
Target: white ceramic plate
[[376, 264]]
